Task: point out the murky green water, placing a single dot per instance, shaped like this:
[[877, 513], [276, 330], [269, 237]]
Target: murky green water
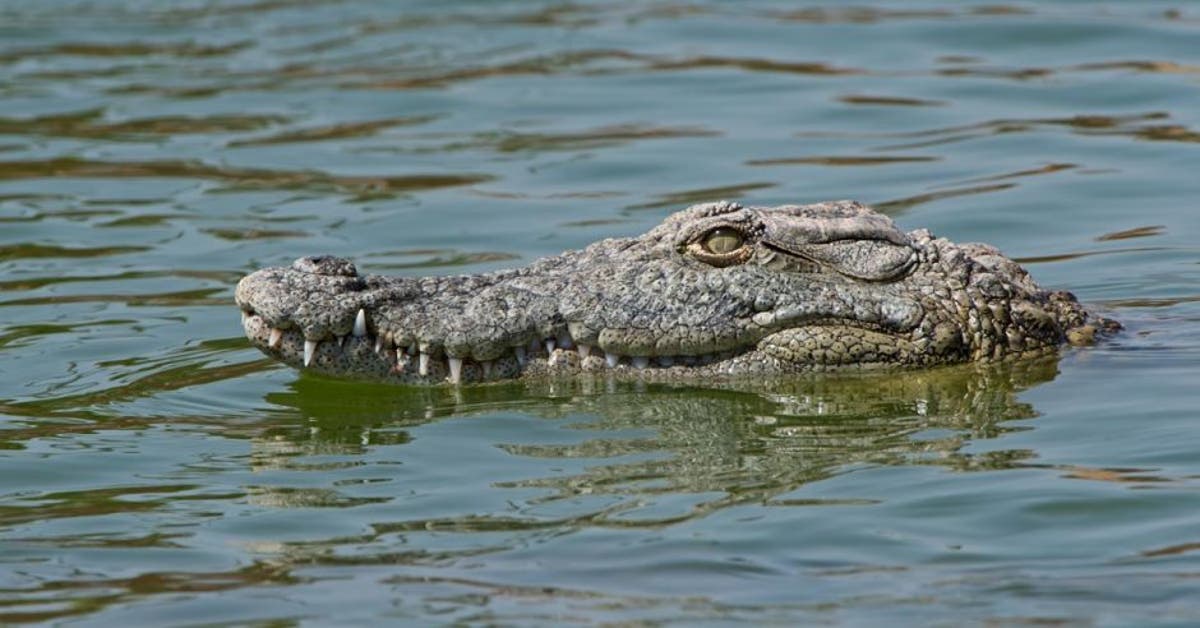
[[154, 469]]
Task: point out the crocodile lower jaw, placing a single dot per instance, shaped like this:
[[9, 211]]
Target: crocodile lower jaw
[[366, 356]]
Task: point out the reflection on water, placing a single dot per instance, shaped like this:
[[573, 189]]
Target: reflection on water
[[747, 442], [155, 469], [636, 450]]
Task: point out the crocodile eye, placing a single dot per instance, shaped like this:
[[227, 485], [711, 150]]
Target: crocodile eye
[[723, 241], [720, 246]]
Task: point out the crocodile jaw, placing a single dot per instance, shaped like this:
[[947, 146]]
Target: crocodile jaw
[[818, 287]]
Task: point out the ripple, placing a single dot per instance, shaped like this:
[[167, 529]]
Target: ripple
[[126, 49], [335, 131], [1030, 172], [1158, 67], [871, 15], [14, 334], [33, 283], [901, 204], [891, 101], [752, 64], [1062, 257], [200, 296], [238, 235], [242, 178], [86, 595], [91, 404], [603, 136], [841, 160], [293, 497], [542, 64], [1136, 232], [1172, 550], [688, 197], [40, 251], [87, 503]]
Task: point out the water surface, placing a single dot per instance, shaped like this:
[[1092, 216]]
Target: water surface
[[156, 469]]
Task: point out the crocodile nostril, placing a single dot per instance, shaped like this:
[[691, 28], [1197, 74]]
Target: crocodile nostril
[[326, 265]]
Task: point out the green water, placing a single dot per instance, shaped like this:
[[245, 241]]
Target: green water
[[154, 469]]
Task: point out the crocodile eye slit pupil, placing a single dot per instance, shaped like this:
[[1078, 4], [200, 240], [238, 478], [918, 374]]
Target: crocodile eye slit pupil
[[723, 240]]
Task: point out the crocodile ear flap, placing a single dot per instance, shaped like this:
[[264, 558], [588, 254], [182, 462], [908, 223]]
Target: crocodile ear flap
[[869, 260], [845, 237]]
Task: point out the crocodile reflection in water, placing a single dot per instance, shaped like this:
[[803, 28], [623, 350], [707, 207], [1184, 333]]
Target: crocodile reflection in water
[[749, 442]]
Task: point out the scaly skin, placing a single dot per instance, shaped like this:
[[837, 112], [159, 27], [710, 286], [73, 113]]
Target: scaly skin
[[775, 291]]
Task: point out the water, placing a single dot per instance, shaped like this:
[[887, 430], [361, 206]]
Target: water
[[156, 469]]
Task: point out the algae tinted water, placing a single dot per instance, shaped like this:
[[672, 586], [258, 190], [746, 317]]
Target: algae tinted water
[[155, 469]]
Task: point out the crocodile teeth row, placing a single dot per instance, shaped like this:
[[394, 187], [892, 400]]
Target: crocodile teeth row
[[403, 356]]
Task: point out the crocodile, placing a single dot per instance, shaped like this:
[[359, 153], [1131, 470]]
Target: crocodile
[[716, 290]]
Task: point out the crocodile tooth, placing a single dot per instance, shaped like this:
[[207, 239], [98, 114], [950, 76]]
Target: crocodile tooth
[[402, 362], [487, 369], [520, 353], [455, 370], [641, 362], [310, 347], [549, 346], [666, 361], [564, 340], [245, 316], [275, 337], [378, 343], [584, 350], [360, 323], [611, 359], [423, 364], [341, 342]]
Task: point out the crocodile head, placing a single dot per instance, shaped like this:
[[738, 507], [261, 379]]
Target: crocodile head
[[715, 290]]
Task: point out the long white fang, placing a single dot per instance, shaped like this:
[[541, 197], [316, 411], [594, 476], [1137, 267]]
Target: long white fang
[[360, 324], [378, 343], [310, 347], [245, 316], [455, 370], [423, 364], [584, 351], [520, 352], [611, 359], [274, 338], [341, 342], [549, 346], [641, 362]]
